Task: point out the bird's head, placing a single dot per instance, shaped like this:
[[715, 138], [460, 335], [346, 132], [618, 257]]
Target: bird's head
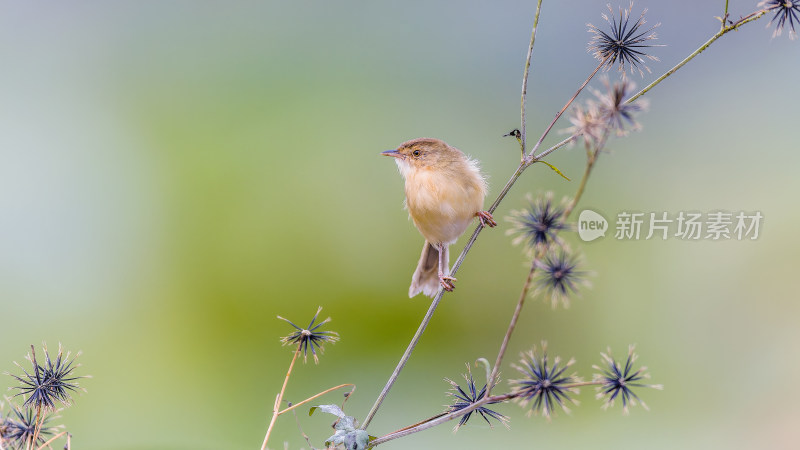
[[424, 153]]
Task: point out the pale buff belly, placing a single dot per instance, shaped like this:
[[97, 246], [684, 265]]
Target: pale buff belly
[[442, 208]]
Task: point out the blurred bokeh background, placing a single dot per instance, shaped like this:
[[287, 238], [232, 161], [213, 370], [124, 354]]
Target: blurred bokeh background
[[173, 175]]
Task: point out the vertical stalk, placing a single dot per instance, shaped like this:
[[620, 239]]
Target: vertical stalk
[[276, 408], [725, 15], [579, 193], [37, 427], [523, 99]]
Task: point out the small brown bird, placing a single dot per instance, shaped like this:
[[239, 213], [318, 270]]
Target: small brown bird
[[444, 192]]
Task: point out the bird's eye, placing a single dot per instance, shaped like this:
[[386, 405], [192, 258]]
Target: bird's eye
[[416, 153]]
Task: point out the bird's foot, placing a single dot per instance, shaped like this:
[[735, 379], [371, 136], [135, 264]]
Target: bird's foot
[[448, 282], [486, 219]]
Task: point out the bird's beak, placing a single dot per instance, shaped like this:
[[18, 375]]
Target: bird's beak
[[394, 153]]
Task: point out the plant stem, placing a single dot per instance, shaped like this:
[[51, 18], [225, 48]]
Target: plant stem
[[38, 423], [591, 159], [509, 184], [579, 193], [445, 417], [560, 113], [305, 436], [440, 419], [279, 399], [49, 441], [544, 153], [316, 396], [523, 100], [724, 15], [725, 29], [419, 423]]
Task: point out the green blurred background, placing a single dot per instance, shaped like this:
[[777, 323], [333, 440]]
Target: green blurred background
[[174, 175]]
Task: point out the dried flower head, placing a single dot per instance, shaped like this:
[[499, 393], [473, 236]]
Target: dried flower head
[[785, 11], [311, 337], [544, 383], [537, 225], [49, 383], [617, 381], [624, 43], [464, 399], [607, 113], [586, 123], [613, 112], [18, 432], [559, 276]]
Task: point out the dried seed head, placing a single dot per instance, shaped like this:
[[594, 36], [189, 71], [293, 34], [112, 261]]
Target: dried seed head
[[624, 43]]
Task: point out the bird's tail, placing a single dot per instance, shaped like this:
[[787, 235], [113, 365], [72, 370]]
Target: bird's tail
[[426, 277]]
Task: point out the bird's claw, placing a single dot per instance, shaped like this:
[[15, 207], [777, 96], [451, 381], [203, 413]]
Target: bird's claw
[[486, 219], [447, 282]]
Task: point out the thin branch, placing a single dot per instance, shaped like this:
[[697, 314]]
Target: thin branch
[[725, 29], [279, 398], [305, 436], [555, 147], [591, 159], [440, 419], [39, 418], [531, 155], [419, 423], [579, 193], [295, 405], [446, 417], [523, 100], [724, 15], [49, 441]]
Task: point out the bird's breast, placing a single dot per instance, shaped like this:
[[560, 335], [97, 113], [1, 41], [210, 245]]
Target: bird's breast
[[442, 203]]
